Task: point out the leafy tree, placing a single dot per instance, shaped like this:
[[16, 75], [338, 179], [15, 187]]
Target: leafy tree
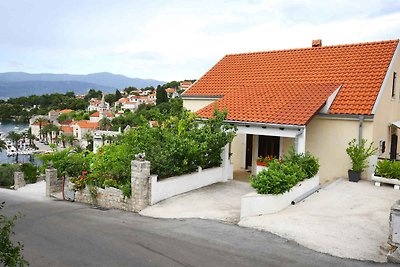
[[130, 89], [105, 124], [14, 137], [41, 122], [2, 145], [161, 95], [10, 253], [118, 94], [92, 93]]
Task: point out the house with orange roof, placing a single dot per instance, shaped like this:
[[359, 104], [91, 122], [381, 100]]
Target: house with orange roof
[[80, 128], [67, 129], [97, 116], [132, 102], [315, 99], [64, 111], [184, 85]]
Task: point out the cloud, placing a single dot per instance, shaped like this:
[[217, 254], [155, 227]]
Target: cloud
[[178, 39]]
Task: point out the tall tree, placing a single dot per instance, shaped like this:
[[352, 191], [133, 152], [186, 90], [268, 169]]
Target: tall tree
[[41, 122], [161, 95], [14, 137], [105, 124]]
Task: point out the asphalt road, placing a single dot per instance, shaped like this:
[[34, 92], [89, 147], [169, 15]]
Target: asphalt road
[[57, 233]]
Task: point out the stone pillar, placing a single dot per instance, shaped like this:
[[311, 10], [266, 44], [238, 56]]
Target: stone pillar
[[140, 176], [394, 233], [19, 180], [53, 184]]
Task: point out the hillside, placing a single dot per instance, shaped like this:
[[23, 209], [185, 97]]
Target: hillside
[[14, 84]]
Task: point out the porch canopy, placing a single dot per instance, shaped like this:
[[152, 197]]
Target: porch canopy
[[396, 124], [277, 109]]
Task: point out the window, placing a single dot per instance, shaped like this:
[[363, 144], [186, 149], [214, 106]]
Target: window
[[394, 84]]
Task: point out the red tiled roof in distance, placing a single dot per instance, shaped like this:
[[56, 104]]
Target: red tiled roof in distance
[[65, 111], [87, 124], [292, 104], [97, 114], [44, 123], [66, 129], [360, 68]]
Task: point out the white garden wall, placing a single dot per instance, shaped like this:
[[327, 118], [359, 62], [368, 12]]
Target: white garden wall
[[254, 204], [160, 190]]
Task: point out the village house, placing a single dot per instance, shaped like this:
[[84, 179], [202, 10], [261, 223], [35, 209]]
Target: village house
[[97, 116], [80, 128], [97, 104], [315, 99], [184, 85], [132, 102]]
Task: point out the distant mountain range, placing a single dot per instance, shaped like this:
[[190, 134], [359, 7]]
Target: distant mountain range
[[15, 84]]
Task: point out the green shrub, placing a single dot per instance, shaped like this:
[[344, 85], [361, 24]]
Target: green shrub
[[30, 172], [388, 169], [307, 162], [281, 176], [360, 154], [7, 174]]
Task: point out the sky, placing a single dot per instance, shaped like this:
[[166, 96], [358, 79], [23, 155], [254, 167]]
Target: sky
[[174, 39]]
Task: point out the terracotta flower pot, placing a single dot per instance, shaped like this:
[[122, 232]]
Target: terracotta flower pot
[[259, 163]]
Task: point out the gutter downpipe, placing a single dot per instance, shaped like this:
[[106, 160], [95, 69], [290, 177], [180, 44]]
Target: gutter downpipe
[[360, 127]]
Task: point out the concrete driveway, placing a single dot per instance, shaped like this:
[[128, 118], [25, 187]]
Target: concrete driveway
[[345, 219], [220, 202]]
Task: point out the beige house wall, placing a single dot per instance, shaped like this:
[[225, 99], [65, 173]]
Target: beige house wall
[[238, 150], [286, 144], [388, 110], [328, 138], [196, 104]]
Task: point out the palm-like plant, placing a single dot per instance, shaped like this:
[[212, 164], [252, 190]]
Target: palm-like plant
[[30, 136], [14, 137], [88, 137], [2, 145], [70, 139], [41, 121], [63, 138], [105, 124]]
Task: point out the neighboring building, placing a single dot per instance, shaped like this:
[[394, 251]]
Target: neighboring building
[[185, 85], [101, 138], [316, 99], [98, 105], [171, 93], [132, 102], [97, 116], [80, 128], [36, 126], [67, 129], [65, 111], [53, 115]]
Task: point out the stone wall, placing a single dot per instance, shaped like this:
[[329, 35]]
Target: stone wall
[[110, 198]]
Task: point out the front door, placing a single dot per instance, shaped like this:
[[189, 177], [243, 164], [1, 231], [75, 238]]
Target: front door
[[393, 146], [249, 150]]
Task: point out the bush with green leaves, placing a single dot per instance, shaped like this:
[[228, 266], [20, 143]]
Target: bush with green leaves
[[30, 171], [7, 174], [307, 162], [10, 253], [359, 153], [388, 169], [281, 176], [179, 145]]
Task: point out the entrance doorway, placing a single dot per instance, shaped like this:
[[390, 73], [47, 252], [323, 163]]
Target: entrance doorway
[[268, 146], [393, 146], [249, 151]]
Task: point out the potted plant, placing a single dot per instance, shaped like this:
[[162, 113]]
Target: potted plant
[[359, 154]]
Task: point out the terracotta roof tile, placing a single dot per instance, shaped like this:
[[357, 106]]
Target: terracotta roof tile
[[66, 129], [360, 68], [293, 104], [66, 111], [97, 114], [87, 124]]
